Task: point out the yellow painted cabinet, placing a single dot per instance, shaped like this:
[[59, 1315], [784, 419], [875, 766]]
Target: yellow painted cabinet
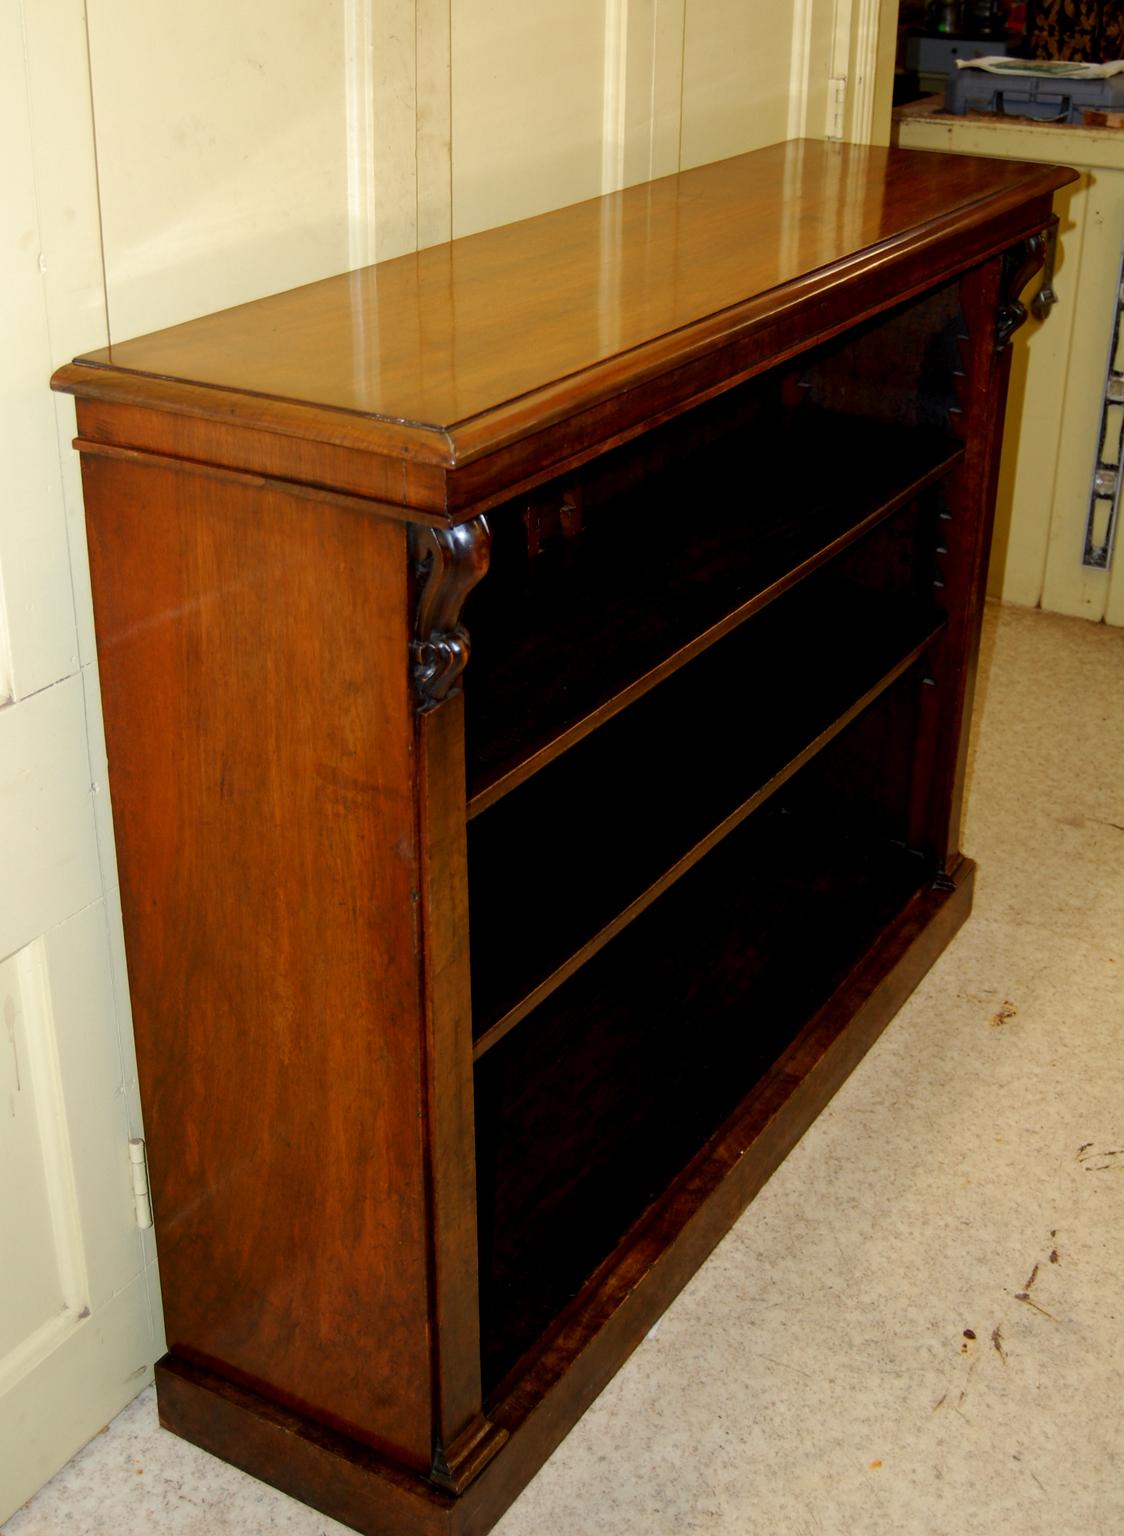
[[1060, 365]]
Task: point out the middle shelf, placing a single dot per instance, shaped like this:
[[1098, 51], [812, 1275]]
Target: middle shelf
[[587, 1113], [677, 548], [572, 856]]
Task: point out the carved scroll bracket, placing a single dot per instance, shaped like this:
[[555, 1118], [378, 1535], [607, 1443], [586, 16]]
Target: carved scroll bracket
[[1020, 264], [449, 563], [1046, 297]]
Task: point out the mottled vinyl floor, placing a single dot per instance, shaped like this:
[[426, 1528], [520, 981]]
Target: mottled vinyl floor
[[917, 1328]]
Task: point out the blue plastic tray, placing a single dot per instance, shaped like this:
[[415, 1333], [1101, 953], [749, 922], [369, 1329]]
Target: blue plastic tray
[[1051, 99]]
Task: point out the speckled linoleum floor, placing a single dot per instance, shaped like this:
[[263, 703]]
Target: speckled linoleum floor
[[917, 1329]]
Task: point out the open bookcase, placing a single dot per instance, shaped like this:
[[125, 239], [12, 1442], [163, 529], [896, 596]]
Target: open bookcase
[[535, 677]]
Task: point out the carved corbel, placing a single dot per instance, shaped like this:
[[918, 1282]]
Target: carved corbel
[[449, 562], [1046, 297], [1020, 264]]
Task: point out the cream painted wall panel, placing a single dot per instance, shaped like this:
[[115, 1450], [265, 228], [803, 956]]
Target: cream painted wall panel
[[391, 98], [1114, 602], [32, 1288], [737, 65], [666, 86], [98, 1088], [815, 19], [48, 850], [1114, 606], [397, 107], [41, 644], [69, 243], [805, 58], [434, 121], [97, 768], [222, 150], [866, 34], [643, 91], [527, 108]]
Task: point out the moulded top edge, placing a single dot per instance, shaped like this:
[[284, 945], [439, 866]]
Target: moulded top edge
[[426, 356]]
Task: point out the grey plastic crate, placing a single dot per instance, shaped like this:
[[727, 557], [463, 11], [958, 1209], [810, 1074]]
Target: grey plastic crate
[[1051, 99]]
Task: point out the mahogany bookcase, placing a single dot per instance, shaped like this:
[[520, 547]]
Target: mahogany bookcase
[[535, 675]]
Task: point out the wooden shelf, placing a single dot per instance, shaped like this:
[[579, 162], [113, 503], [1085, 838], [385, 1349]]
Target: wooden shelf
[[535, 674], [563, 864], [587, 1112], [598, 620]]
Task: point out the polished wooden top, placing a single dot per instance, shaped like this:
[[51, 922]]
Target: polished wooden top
[[456, 348]]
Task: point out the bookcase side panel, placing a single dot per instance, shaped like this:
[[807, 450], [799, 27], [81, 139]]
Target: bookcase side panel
[[463, 1437], [253, 651]]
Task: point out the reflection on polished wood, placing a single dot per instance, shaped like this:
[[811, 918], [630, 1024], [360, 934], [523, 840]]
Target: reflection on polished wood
[[451, 352]]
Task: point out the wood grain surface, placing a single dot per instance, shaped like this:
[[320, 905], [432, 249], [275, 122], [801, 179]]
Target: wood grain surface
[[675, 845], [259, 732], [450, 354]]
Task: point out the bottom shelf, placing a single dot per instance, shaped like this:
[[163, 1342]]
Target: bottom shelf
[[534, 1411], [587, 1111]]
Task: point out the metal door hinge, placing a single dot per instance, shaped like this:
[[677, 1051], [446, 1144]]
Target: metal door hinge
[[141, 1198]]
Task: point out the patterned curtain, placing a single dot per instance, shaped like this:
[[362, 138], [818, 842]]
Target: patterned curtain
[[1085, 31]]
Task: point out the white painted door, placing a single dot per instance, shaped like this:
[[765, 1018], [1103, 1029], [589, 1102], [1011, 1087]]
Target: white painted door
[[77, 1331]]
